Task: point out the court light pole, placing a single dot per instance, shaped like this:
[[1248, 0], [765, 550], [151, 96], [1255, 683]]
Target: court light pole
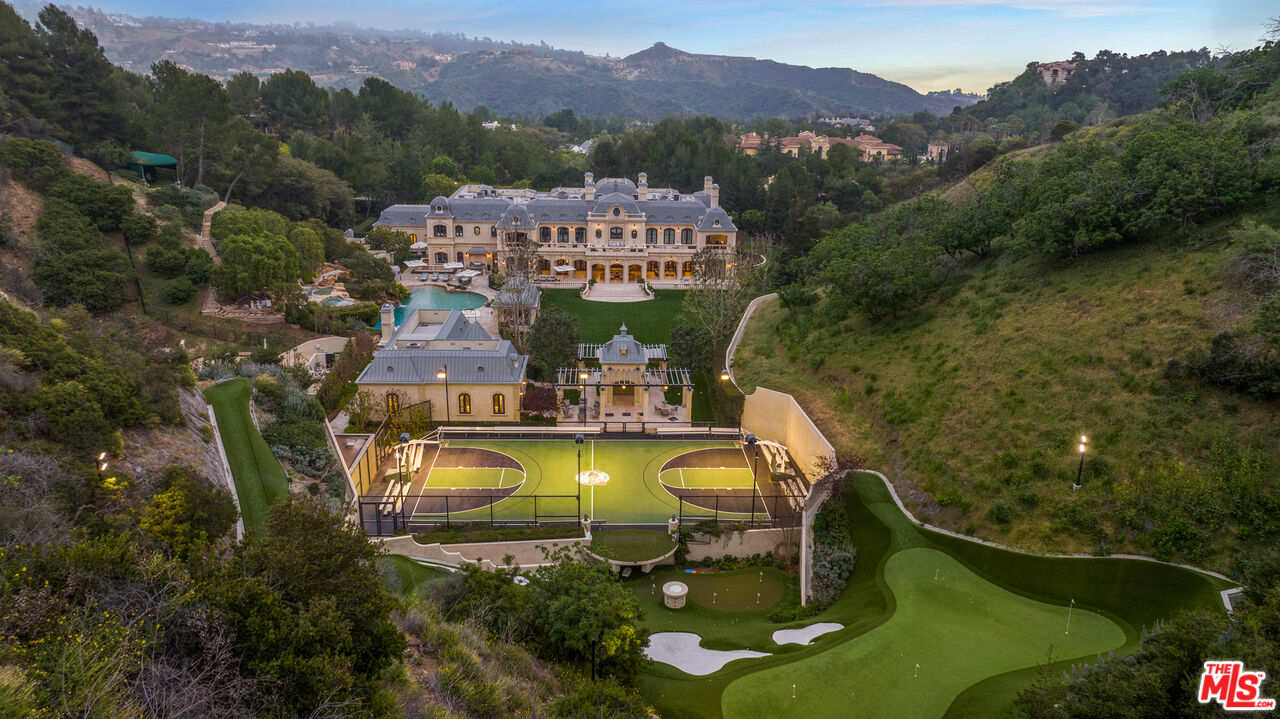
[[751, 442], [582, 402], [444, 375], [577, 478], [1084, 442]]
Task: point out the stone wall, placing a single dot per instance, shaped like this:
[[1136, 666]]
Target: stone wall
[[778, 417], [782, 542]]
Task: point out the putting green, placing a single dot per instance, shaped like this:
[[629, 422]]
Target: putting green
[[959, 628], [633, 494], [708, 478], [742, 590]]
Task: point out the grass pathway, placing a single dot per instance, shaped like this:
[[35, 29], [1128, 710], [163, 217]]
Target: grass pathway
[[259, 478]]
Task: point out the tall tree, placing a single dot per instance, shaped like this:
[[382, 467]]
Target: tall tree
[[82, 87], [189, 110], [294, 102]]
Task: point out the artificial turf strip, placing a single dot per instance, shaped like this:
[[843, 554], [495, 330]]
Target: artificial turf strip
[[259, 478], [1129, 593], [631, 545]]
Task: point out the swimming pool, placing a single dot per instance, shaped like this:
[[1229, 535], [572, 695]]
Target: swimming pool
[[436, 298]]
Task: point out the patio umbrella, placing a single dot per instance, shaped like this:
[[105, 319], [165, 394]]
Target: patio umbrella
[[564, 268], [453, 265], [418, 246]]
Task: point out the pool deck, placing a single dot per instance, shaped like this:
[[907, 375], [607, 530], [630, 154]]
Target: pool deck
[[483, 315]]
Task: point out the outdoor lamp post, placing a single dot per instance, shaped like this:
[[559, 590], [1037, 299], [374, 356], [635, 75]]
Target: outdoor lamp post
[[751, 442], [724, 375], [444, 375], [102, 465], [1084, 442], [404, 437]]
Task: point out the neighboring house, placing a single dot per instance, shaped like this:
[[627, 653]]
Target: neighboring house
[[870, 148], [441, 356], [937, 151], [1056, 73], [583, 149], [612, 231]]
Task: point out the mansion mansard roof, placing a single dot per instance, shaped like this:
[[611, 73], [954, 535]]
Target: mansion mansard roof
[[525, 209]]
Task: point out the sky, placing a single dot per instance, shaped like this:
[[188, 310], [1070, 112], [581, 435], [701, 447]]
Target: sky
[[927, 44]]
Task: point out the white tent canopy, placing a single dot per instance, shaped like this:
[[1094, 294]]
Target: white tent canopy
[[418, 246], [453, 265], [469, 273], [414, 264], [564, 268]]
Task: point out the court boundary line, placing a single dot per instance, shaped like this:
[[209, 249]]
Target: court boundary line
[[427, 478]]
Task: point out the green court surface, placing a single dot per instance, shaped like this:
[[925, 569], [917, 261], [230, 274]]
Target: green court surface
[[709, 478], [632, 495], [979, 620], [472, 478]]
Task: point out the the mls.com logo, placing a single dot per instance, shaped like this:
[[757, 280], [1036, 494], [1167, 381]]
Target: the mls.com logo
[[1234, 688]]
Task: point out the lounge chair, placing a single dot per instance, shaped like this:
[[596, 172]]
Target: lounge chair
[[435, 276]]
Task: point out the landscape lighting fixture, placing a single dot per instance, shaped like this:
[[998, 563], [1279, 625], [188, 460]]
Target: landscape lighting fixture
[[1084, 442], [724, 375]]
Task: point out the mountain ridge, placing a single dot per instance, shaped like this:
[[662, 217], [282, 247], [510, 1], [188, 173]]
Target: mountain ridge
[[510, 78]]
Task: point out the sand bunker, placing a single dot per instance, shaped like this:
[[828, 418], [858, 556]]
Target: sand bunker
[[681, 650], [805, 635]]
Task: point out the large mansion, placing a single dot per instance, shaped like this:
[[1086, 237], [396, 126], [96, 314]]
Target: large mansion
[[611, 231], [869, 147]]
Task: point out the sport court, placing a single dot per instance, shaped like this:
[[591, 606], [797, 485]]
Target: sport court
[[640, 481]]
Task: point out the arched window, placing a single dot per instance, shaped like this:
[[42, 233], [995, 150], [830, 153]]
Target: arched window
[[686, 237], [599, 234], [634, 234], [617, 211], [477, 232], [544, 234], [464, 403], [440, 231], [668, 236], [493, 231], [580, 234], [393, 402], [499, 403], [562, 234], [457, 231], [615, 233], [651, 236], [441, 258], [669, 270], [413, 238]]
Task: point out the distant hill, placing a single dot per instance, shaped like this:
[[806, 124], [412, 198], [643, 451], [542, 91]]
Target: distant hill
[[508, 77]]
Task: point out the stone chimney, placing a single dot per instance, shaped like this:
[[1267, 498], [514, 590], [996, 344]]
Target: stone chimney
[[706, 184], [715, 195], [388, 316], [642, 187], [589, 184]]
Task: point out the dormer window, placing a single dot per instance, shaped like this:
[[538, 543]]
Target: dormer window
[[617, 211], [439, 209], [716, 223]]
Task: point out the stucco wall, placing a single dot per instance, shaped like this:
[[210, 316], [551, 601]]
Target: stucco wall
[[777, 416], [481, 400]]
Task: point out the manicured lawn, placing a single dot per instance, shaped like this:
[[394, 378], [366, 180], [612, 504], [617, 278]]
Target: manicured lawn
[[631, 545], [259, 478], [632, 495], [405, 576], [650, 322], [977, 619]]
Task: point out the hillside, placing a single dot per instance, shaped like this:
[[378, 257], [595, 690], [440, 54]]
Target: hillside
[[972, 404], [508, 77]]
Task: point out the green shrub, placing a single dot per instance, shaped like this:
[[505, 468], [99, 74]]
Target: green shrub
[[177, 291]]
